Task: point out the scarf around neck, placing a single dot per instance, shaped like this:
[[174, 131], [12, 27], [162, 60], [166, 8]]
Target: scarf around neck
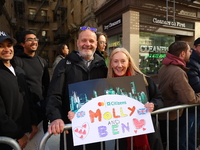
[[174, 60]]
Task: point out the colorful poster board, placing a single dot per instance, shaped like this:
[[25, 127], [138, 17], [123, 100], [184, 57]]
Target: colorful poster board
[[109, 109]]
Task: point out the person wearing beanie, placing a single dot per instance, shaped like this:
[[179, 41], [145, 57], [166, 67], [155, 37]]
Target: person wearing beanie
[[194, 78], [17, 115]]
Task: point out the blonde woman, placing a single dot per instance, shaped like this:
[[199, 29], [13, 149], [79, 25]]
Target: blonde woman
[[122, 64]]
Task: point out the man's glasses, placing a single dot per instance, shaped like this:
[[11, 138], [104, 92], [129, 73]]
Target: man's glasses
[[90, 28], [32, 39]]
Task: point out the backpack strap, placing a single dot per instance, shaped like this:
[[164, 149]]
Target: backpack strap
[[41, 61]]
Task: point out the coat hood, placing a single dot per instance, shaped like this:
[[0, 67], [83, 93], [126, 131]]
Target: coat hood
[[174, 60]]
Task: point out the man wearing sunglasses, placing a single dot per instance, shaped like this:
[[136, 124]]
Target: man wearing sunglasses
[[79, 65]]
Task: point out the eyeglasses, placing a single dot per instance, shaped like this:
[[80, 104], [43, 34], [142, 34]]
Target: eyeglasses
[[101, 42], [32, 39], [90, 28]]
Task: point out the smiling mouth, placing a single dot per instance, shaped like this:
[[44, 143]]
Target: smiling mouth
[[119, 70]]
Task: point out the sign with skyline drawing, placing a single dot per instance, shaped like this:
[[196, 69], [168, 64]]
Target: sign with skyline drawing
[[109, 109]]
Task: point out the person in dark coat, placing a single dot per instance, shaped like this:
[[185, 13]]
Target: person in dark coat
[[193, 78], [61, 52], [78, 66], [36, 69], [176, 90], [102, 46], [17, 114]]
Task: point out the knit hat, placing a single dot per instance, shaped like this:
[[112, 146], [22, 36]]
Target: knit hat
[[197, 41], [4, 36]]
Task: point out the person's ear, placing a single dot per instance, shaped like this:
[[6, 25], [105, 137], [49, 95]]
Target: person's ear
[[182, 54]]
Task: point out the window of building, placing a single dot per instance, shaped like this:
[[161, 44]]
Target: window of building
[[43, 13], [32, 13], [44, 33], [153, 48]]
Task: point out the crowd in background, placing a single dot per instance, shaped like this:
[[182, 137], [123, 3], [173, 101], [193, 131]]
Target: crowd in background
[[31, 102]]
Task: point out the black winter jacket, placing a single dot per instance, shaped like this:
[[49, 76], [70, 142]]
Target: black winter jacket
[[155, 97], [70, 70], [154, 94], [37, 77], [37, 74], [16, 111], [194, 72], [194, 75]]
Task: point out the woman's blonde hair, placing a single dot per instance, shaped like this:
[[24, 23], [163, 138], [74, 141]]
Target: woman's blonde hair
[[132, 68]]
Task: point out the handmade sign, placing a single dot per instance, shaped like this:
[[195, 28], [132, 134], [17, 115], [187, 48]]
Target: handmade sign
[[110, 117], [109, 109]]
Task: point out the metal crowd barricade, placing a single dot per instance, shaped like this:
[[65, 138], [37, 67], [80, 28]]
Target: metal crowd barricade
[[9, 141], [157, 112], [178, 107], [47, 136]]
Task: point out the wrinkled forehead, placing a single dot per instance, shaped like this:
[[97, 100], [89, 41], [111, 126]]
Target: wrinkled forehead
[[87, 34]]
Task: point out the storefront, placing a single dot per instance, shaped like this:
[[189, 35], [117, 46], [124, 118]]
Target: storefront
[[152, 50], [144, 31]]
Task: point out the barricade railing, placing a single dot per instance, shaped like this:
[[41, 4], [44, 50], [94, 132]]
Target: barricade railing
[[9, 141], [157, 112], [177, 108]]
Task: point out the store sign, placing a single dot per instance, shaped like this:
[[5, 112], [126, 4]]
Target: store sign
[[187, 13], [157, 56], [113, 24], [169, 23], [155, 49]]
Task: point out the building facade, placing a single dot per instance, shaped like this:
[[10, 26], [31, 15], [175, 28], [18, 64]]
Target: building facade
[[33, 15], [53, 21], [146, 28], [7, 17]]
